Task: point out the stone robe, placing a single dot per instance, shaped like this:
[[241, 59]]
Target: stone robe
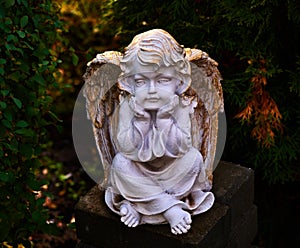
[[156, 170]]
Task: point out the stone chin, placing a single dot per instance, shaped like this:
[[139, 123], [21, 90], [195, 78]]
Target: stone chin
[[152, 105]]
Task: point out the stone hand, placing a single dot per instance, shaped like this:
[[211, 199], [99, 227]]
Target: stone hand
[[166, 111], [138, 110]]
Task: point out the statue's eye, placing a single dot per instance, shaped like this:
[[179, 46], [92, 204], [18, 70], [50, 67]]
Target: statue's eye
[[164, 80], [139, 82]]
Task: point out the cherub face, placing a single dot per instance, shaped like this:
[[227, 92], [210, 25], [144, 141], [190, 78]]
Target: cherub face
[[154, 89]]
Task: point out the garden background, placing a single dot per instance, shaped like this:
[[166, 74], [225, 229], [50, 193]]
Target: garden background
[[44, 48]]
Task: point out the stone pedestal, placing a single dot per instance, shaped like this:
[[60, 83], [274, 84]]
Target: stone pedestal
[[230, 223]]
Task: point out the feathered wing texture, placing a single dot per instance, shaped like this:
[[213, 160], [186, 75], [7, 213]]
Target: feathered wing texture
[[207, 88], [102, 98]]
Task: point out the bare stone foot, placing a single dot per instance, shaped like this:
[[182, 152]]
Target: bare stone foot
[[179, 220], [130, 217]]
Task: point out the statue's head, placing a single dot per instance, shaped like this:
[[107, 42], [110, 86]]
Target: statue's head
[[155, 51]]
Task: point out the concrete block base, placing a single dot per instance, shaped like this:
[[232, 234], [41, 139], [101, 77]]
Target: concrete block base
[[230, 223]]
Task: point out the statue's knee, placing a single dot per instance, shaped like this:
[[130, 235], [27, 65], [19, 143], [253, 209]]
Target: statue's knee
[[196, 154]]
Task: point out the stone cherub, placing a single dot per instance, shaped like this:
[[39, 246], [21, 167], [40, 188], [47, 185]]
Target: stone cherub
[[154, 111]]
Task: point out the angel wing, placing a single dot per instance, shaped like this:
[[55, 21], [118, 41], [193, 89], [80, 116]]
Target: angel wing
[[207, 88], [102, 98]]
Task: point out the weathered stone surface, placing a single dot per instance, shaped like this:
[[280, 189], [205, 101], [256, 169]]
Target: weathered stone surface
[[101, 228], [231, 222], [234, 186], [245, 230]]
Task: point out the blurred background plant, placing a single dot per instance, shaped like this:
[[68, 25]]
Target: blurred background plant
[[28, 30], [45, 46]]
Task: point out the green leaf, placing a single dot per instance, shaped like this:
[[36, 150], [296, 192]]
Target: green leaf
[[7, 177], [8, 115], [39, 79], [4, 92], [29, 46], [12, 47], [12, 37], [75, 59], [25, 2], [54, 116], [37, 216], [7, 124], [24, 21], [17, 102], [40, 202], [25, 132], [34, 184], [2, 61], [21, 34], [13, 145], [9, 3], [3, 26], [15, 76], [3, 105], [8, 21], [25, 67], [22, 124], [26, 150], [41, 52], [72, 225]]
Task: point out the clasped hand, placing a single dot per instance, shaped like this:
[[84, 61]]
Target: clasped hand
[[163, 113]]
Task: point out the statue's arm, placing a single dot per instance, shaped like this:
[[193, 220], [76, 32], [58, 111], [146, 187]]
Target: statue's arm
[[127, 135], [133, 129], [173, 127]]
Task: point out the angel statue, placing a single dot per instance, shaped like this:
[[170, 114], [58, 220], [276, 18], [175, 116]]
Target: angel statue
[[154, 112]]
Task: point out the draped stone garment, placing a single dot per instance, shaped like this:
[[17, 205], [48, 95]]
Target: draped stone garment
[[152, 192], [156, 170]]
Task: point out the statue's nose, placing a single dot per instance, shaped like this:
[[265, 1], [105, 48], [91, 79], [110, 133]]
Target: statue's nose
[[152, 87]]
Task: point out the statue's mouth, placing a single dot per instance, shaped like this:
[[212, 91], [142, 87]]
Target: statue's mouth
[[153, 99]]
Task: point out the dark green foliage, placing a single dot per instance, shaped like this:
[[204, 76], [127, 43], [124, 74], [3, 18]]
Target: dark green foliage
[[27, 63], [86, 32], [257, 46]]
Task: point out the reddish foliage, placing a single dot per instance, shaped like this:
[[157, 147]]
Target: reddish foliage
[[262, 110]]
